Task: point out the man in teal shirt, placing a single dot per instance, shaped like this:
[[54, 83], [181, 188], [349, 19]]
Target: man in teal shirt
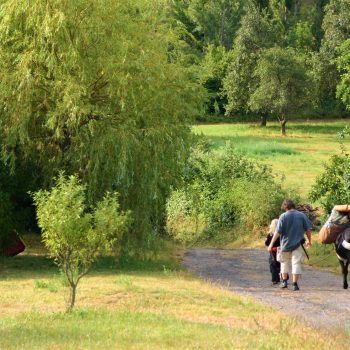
[[291, 227]]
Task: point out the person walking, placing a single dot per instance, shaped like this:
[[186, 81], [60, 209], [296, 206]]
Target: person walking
[[291, 227], [275, 266]]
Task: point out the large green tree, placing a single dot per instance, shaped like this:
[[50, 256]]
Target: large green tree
[[95, 87], [283, 84], [256, 33]]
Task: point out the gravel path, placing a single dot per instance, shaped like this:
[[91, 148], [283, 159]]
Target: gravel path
[[321, 301]]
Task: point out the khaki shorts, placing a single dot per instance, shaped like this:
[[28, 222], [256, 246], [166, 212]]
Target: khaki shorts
[[294, 258]]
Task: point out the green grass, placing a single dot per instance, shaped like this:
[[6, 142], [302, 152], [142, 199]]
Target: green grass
[[146, 305], [91, 329], [300, 156]]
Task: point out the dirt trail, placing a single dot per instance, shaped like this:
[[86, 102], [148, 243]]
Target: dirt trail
[[321, 301]]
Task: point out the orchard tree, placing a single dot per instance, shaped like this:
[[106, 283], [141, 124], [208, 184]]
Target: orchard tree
[[256, 33], [75, 234], [283, 84], [97, 88]]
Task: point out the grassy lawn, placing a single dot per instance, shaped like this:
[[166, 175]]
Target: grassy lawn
[[300, 156], [142, 306]]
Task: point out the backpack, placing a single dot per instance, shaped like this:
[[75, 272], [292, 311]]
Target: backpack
[[337, 222]]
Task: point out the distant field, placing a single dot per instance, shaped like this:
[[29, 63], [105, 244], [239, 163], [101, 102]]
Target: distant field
[[300, 156]]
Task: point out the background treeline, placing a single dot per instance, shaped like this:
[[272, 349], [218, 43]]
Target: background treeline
[[268, 58]]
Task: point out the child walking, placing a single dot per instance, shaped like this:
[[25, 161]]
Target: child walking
[[275, 266]]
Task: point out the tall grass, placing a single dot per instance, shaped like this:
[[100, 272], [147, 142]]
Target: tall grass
[[300, 156]]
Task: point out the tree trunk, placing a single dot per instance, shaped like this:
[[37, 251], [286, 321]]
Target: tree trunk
[[285, 19], [72, 294], [296, 7], [283, 127], [263, 120]]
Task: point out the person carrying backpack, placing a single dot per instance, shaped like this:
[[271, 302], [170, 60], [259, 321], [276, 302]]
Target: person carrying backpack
[[291, 227]]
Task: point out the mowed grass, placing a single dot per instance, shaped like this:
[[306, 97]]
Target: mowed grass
[[152, 305], [299, 157]]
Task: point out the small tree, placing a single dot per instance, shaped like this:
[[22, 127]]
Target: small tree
[[283, 84], [74, 234]]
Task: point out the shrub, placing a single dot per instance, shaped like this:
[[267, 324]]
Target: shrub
[[333, 185], [223, 191], [75, 234]]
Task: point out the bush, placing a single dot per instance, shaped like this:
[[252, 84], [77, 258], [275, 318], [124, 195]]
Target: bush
[[223, 191], [333, 185], [75, 234], [184, 222]]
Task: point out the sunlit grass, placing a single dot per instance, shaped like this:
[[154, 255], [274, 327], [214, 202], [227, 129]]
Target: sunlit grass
[[156, 305], [300, 156]]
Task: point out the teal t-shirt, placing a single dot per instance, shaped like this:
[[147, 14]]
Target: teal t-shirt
[[291, 226]]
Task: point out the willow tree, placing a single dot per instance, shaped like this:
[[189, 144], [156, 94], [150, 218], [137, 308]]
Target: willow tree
[[94, 87]]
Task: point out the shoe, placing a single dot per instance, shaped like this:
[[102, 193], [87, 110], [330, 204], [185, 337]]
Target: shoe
[[275, 282], [295, 287], [284, 284]]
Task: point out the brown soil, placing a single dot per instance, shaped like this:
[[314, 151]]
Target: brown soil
[[320, 302]]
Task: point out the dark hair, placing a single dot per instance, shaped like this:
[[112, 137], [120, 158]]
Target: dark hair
[[288, 204]]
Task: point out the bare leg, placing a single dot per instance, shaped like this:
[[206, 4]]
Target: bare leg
[[296, 278]]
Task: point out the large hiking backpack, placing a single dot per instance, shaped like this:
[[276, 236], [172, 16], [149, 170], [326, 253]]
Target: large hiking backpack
[[337, 222]]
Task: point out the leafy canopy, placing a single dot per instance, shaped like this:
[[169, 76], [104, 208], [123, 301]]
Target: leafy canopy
[[283, 83], [97, 88]]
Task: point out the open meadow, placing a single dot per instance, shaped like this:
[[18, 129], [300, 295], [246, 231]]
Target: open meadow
[[300, 156], [154, 305]]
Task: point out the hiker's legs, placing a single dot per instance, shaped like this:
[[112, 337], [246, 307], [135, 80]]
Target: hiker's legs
[[274, 268], [285, 264], [297, 261]]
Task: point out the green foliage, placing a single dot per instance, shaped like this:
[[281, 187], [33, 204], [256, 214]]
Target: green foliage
[[283, 84], [301, 36], [223, 191], [333, 185], [343, 65], [336, 28], [98, 88], [256, 33], [216, 20], [214, 67], [74, 234]]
